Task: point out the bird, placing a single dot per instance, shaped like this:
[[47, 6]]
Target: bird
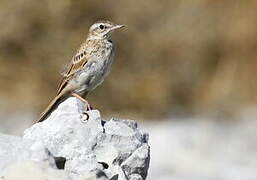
[[88, 68]]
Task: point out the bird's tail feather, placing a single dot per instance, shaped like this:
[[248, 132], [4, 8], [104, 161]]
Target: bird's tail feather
[[52, 106]]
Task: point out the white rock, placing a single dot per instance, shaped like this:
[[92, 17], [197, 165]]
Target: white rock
[[31, 170], [14, 149], [115, 148]]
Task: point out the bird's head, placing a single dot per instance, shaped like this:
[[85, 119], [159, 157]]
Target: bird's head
[[103, 29]]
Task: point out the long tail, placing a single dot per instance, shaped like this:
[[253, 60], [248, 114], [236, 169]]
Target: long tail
[[52, 106]]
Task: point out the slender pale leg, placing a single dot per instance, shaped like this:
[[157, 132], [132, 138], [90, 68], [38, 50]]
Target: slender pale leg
[[88, 107]]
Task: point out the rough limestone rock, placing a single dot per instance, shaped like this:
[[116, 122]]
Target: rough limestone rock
[[82, 144], [32, 170]]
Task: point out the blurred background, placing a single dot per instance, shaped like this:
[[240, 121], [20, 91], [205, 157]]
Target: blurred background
[[186, 69]]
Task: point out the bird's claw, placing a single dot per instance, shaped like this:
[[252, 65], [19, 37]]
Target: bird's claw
[[88, 107]]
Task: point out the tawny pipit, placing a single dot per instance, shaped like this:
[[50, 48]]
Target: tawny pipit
[[89, 66]]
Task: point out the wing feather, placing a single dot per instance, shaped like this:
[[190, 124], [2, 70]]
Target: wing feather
[[78, 61]]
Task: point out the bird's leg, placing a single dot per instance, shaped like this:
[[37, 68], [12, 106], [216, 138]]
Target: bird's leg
[[88, 107]]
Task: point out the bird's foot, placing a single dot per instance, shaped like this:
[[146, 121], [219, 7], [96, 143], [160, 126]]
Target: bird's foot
[[88, 107]]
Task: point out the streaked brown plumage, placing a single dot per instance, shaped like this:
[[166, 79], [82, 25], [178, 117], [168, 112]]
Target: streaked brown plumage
[[88, 67]]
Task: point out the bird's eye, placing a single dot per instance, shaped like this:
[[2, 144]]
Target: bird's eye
[[101, 26]]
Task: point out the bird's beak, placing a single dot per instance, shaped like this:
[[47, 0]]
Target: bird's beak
[[118, 26]]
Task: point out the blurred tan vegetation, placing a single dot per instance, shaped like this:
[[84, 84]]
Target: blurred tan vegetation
[[174, 56]]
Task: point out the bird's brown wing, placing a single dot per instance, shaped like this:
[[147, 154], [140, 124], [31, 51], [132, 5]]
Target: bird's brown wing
[[78, 61], [61, 93]]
